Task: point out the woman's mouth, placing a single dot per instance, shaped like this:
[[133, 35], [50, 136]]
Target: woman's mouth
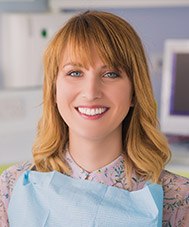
[[92, 112]]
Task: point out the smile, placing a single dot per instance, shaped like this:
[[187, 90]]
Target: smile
[[92, 111]]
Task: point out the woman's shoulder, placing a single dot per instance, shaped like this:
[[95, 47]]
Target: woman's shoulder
[[176, 199], [174, 183], [9, 177], [7, 181]]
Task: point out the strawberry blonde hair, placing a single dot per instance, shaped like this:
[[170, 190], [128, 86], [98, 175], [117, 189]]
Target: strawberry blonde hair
[[145, 148]]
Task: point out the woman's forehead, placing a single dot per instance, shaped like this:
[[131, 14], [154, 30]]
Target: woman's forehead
[[86, 57]]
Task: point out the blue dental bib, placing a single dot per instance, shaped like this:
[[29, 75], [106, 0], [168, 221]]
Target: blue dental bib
[[55, 200]]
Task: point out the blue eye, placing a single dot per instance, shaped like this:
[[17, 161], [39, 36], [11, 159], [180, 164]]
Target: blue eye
[[74, 74], [111, 75]]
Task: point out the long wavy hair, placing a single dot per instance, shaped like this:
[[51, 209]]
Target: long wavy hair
[[145, 148]]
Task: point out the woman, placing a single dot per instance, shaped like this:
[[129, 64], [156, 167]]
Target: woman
[[99, 156]]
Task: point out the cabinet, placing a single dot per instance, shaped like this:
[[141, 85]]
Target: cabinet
[[58, 5]]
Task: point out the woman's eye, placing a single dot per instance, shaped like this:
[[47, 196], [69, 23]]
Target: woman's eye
[[111, 75], [74, 74]]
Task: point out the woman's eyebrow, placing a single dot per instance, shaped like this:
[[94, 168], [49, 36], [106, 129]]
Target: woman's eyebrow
[[72, 64], [77, 64]]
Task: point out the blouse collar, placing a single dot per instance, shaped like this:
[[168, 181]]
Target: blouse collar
[[112, 174]]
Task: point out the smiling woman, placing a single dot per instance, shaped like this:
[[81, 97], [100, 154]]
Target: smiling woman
[[99, 156]]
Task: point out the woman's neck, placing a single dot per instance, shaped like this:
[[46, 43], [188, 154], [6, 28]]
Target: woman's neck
[[92, 155]]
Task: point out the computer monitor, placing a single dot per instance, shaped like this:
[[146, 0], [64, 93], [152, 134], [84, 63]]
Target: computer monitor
[[174, 109]]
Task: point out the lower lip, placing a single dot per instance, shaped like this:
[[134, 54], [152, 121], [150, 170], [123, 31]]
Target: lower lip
[[92, 117]]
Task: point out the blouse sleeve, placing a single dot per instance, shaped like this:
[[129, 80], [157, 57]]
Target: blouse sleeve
[[176, 200], [7, 180], [3, 213]]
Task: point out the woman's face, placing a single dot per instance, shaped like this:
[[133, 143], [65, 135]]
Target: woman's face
[[93, 101]]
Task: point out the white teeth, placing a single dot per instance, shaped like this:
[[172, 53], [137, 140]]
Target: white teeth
[[91, 111]]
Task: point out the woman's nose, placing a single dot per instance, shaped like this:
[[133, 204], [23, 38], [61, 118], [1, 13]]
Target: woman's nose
[[92, 89]]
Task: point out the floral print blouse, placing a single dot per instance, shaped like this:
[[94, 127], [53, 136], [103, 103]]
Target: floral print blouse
[[176, 188]]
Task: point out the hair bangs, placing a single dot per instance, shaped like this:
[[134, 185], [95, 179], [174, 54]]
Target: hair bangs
[[86, 35]]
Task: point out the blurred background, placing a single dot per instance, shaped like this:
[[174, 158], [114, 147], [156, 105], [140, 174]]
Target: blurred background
[[26, 26]]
